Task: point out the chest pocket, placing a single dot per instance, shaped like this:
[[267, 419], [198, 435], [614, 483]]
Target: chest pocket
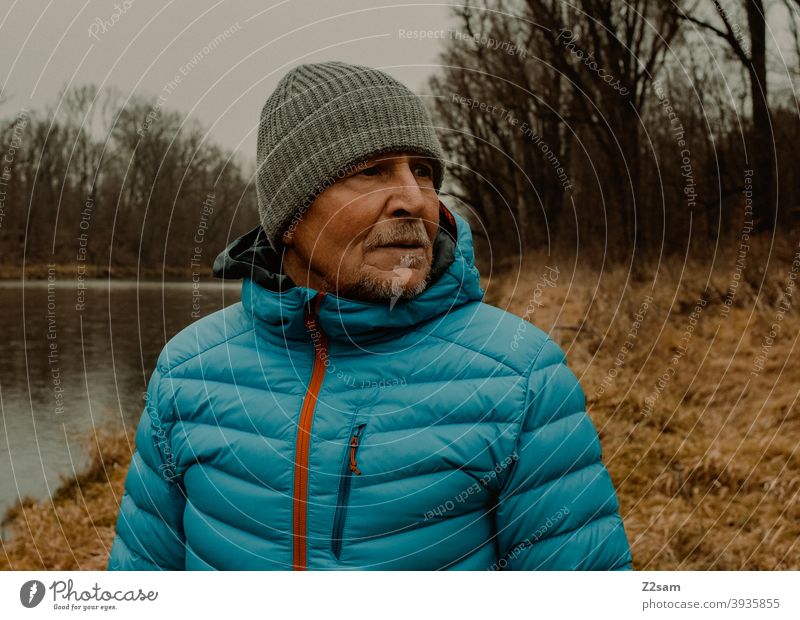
[[349, 469]]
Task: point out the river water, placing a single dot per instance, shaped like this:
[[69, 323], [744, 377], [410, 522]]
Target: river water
[[74, 360]]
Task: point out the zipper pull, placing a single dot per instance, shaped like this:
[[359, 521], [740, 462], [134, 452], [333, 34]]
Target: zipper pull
[[353, 446]]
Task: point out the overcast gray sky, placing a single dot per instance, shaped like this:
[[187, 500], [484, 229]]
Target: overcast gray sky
[[140, 46]]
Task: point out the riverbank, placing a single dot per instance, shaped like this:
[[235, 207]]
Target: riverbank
[[692, 385], [75, 529]]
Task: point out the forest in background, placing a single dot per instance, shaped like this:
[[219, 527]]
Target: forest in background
[[623, 126], [97, 179], [616, 127]]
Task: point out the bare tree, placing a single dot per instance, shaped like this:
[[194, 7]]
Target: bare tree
[[133, 178], [585, 74], [749, 48]]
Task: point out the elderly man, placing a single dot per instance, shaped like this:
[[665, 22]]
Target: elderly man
[[361, 407]]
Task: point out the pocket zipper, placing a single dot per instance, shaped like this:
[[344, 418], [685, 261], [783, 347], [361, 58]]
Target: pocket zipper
[[349, 467]]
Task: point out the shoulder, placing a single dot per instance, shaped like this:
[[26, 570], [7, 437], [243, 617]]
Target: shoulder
[[549, 383], [554, 391], [204, 335], [495, 333]]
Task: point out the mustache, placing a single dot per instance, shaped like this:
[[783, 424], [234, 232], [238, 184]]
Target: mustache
[[405, 234]]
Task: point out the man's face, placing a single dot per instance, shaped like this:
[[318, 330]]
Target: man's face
[[369, 235]]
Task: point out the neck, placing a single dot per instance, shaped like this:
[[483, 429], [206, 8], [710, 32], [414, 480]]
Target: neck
[[302, 272]]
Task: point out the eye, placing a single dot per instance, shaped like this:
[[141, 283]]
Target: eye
[[426, 168], [371, 171]]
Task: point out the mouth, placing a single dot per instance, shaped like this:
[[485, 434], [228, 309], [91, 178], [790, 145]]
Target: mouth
[[403, 246], [403, 254], [409, 243]]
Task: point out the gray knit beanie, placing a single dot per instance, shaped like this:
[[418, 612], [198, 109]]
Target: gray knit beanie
[[322, 120]]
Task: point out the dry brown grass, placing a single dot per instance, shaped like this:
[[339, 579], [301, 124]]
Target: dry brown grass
[[708, 479], [74, 531]]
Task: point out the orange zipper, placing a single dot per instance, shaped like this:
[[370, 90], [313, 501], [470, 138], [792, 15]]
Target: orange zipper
[[304, 435], [353, 447]]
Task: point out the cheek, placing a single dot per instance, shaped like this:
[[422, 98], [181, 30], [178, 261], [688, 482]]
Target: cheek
[[348, 229], [340, 247], [329, 238]]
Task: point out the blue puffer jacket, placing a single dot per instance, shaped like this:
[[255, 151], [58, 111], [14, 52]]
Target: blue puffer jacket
[[304, 430]]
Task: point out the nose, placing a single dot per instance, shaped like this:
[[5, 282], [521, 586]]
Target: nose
[[406, 197]]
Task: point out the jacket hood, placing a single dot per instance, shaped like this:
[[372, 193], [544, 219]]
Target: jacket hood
[[277, 304]]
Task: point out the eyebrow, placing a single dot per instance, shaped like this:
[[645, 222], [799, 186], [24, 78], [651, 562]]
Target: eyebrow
[[383, 158]]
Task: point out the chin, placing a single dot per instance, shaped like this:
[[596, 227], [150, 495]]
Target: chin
[[382, 285]]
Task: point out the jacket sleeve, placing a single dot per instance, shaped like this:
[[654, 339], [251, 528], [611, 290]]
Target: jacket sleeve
[[149, 532], [557, 508]]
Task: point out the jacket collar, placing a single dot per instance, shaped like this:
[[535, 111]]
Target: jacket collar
[[278, 305]]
